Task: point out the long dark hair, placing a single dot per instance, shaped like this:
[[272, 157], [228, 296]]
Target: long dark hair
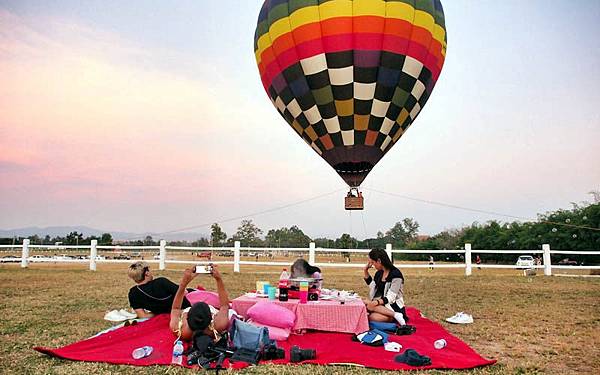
[[380, 254], [304, 265]]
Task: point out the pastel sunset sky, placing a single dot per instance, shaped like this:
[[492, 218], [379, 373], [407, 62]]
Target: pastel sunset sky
[[149, 116]]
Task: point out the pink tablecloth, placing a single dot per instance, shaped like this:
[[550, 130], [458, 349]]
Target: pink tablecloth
[[332, 316]]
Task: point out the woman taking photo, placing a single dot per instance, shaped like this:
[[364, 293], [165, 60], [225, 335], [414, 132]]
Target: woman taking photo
[[386, 297]]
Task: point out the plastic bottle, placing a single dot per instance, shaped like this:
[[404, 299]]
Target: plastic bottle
[[440, 344], [177, 358], [142, 352], [284, 284]]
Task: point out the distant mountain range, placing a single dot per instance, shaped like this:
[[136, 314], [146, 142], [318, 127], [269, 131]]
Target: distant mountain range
[[87, 231]]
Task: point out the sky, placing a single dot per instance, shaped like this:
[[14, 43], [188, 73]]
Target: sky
[[149, 116]]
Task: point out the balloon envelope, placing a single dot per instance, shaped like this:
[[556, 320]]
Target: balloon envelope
[[350, 76]]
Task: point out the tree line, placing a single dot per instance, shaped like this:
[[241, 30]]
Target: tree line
[[566, 229]]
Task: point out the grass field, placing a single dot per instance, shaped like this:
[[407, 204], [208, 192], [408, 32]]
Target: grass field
[[530, 325]]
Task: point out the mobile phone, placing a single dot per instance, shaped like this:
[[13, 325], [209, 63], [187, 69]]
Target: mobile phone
[[203, 269]]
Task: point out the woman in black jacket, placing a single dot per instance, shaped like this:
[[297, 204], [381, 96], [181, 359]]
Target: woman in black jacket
[[386, 296]]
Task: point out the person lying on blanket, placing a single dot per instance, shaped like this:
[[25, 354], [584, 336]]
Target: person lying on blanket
[[386, 296], [151, 296], [200, 317]]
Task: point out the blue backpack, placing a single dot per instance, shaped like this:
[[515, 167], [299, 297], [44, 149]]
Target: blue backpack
[[249, 337]]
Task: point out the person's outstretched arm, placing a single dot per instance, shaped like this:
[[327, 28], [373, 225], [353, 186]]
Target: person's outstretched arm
[[221, 319], [188, 275]]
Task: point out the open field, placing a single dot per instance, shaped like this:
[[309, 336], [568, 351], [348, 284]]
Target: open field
[[530, 325]]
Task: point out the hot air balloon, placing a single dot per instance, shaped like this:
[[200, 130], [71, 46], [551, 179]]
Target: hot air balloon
[[350, 76]]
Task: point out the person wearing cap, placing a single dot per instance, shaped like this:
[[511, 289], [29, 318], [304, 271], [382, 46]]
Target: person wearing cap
[[200, 317], [151, 296]]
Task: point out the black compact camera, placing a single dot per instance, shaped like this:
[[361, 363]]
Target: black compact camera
[[299, 355], [272, 352]]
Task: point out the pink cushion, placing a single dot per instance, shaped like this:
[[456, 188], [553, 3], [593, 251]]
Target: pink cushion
[[275, 333], [271, 314], [210, 298]]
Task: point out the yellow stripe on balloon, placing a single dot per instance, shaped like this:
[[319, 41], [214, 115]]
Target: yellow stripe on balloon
[[305, 16], [368, 8], [279, 28], [400, 11], [336, 8], [424, 20]]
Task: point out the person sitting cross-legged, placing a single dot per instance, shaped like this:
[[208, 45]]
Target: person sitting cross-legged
[[386, 296]]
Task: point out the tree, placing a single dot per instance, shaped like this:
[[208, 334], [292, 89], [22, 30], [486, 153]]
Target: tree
[[325, 243], [73, 238], [248, 234], [403, 232], [217, 236], [106, 239], [346, 241], [287, 237], [148, 241]]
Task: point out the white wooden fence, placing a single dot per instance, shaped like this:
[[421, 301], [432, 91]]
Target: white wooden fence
[[312, 250]]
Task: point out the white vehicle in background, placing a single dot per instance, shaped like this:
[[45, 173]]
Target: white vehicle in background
[[40, 258], [525, 261]]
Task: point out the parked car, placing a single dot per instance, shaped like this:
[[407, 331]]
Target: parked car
[[525, 261], [567, 262], [226, 253]]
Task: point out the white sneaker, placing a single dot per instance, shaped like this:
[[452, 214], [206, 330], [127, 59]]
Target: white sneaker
[[399, 318], [128, 315], [114, 316], [460, 318]]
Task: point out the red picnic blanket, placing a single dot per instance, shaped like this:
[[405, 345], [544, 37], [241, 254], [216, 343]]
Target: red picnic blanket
[[332, 348]]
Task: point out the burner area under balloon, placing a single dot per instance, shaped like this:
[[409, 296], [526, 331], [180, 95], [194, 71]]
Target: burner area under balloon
[[353, 173]]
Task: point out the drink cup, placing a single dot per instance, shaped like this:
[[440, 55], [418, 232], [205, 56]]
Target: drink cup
[[266, 287], [440, 344], [303, 294], [271, 293]]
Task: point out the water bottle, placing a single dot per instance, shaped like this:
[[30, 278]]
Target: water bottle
[[142, 352], [177, 358], [284, 280], [440, 344]]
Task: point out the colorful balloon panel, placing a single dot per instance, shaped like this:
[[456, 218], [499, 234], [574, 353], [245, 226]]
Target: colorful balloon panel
[[350, 76]]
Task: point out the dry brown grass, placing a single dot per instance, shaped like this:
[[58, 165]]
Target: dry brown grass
[[530, 325]]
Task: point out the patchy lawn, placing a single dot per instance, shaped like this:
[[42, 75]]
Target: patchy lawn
[[530, 325]]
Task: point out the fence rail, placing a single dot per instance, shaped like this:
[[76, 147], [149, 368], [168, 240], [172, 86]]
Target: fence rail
[[93, 259]]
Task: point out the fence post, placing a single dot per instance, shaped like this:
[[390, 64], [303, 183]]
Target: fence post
[[388, 250], [547, 260], [311, 253], [468, 264], [93, 254], [25, 254], [236, 257], [162, 255]]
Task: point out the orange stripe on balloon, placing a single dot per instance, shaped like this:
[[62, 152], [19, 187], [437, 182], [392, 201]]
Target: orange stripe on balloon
[[337, 26], [368, 24], [307, 33]]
